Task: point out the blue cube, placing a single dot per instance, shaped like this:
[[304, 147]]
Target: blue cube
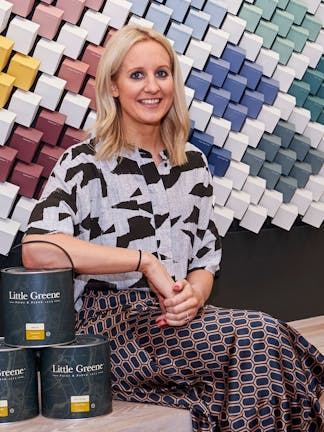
[[159, 15], [235, 55], [236, 114], [220, 159], [200, 82], [287, 186], [270, 144], [255, 158], [203, 141], [180, 34], [198, 21], [191, 130], [253, 101], [252, 72], [219, 98], [179, 8], [219, 69], [217, 11], [286, 131], [138, 7], [197, 3], [236, 85], [270, 88]]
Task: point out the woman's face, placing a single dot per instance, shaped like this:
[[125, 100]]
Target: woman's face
[[144, 85]]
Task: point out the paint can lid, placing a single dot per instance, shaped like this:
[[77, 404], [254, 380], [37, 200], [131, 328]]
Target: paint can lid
[[23, 270], [84, 340]]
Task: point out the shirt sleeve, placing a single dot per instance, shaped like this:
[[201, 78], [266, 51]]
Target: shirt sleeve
[[207, 250]]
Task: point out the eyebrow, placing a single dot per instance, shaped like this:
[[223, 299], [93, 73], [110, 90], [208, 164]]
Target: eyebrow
[[143, 67]]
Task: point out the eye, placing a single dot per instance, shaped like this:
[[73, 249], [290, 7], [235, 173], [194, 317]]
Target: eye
[[162, 73], [136, 75]]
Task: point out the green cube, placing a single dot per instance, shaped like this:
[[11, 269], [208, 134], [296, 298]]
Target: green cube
[[320, 92], [313, 25], [315, 105], [300, 90], [299, 36], [267, 6], [283, 20], [252, 15], [284, 48], [267, 31], [315, 79], [298, 9]]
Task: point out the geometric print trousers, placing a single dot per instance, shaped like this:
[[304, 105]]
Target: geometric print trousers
[[235, 370]]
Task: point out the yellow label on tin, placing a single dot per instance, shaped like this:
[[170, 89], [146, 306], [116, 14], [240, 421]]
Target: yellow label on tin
[[80, 404], [35, 331], [4, 408]]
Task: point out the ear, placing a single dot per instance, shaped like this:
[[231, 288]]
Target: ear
[[114, 89]]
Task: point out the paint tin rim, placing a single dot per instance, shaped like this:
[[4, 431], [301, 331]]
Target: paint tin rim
[[22, 270], [99, 338]]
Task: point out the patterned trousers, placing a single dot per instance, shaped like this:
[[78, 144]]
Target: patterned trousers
[[234, 370]]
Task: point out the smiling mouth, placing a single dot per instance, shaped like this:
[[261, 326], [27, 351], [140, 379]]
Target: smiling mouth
[[150, 101]]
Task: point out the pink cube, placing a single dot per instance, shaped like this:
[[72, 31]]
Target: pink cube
[[73, 72], [91, 56], [49, 19], [22, 7], [51, 124], [72, 136], [72, 9], [7, 159], [26, 176], [94, 4], [89, 92], [48, 157], [26, 141]]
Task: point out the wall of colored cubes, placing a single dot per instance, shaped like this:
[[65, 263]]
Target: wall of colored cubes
[[254, 78]]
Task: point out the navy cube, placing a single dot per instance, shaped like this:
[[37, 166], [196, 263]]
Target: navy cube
[[253, 101], [236, 85], [252, 72], [236, 114], [286, 131], [203, 141], [219, 69], [220, 159], [219, 98], [255, 158], [200, 82], [235, 55], [270, 88]]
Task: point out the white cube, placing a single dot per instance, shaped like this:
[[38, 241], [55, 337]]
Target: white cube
[[222, 189], [186, 64], [138, 21], [271, 200], [315, 184], [8, 232], [217, 39], [24, 105], [315, 214], [302, 199], [237, 172], [8, 194], [199, 51], [7, 120], [269, 116], [223, 219], [285, 75], [23, 32], [320, 38], [315, 132], [285, 216], [233, 6], [252, 44], [268, 59], [117, 11], [49, 53], [320, 13], [74, 106], [90, 121], [5, 11], [236, 143], [50, 88], [314, 52], [72, 38], [254, 129], [95, 24], [255, 187], [321, 145], [312, 5], [219, 129], [300, 118], [189, 95], [22, 211], [285, 103], [254, 218], [234, 26], [238, 201], [299, 63], [200, 112]]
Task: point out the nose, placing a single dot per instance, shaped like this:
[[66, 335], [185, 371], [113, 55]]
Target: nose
[[151, 84]]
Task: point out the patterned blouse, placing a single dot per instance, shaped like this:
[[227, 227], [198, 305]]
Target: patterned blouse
[[129, 202]]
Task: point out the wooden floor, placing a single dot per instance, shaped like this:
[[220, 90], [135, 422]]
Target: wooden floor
[[312, 329]]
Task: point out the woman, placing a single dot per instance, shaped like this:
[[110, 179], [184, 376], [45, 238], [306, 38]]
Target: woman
[[133, 208]]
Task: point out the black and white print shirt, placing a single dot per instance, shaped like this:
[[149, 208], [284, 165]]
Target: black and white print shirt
[[129, 202]]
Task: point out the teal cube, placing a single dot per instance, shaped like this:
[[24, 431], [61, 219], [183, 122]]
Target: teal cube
[[283, 20], [321, 118], [299, 36], [252, 15], [301, 145], [315, 79], [313, 25], [301, 172], [286, 131], [298, 9], [270, 144], [315, 105], [268, 7], [286, 158], [315, 158], [287, 186], [267, 31], [255, 158], [300, 90], [320, 92], [282, 4], [320, 64], [271, 173], [284, 48]]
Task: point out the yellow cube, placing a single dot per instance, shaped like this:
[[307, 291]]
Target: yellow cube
[[6, 84], [24, 68], [5, 50]]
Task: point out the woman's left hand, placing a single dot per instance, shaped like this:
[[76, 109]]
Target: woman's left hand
[[182, 307]]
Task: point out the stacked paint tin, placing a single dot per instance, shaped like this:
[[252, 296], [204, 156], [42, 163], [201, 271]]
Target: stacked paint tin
[[37, 307]]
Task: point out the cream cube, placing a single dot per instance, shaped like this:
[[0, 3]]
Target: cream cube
[[269, 116], [117, 11], [200, 112], [217, 39], [302, 199], [199, 51], [234, 26], [95, 24], [285, 103], [315, 214], [299, 63], [237, 172], [7, 120], [315, 184], [74, 106], [24, 105], [23, 32], [8, 232], [314, 52], [219, 129], [268, 59], [90, 121], [255, 187], [238, 201], [72, 38], [186, 64], [8, 194], [285, 75], [5, 11], [254, 129], [285, 216], [252, 44], [223, 219], [236, 143], [22, 211], [222, 189], [50, 54], [315, 132], [189, 95], [271, 200], [300, 117], [254, 218], [50, 88]]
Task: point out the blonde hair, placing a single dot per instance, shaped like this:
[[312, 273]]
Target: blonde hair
[[108, 129]]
